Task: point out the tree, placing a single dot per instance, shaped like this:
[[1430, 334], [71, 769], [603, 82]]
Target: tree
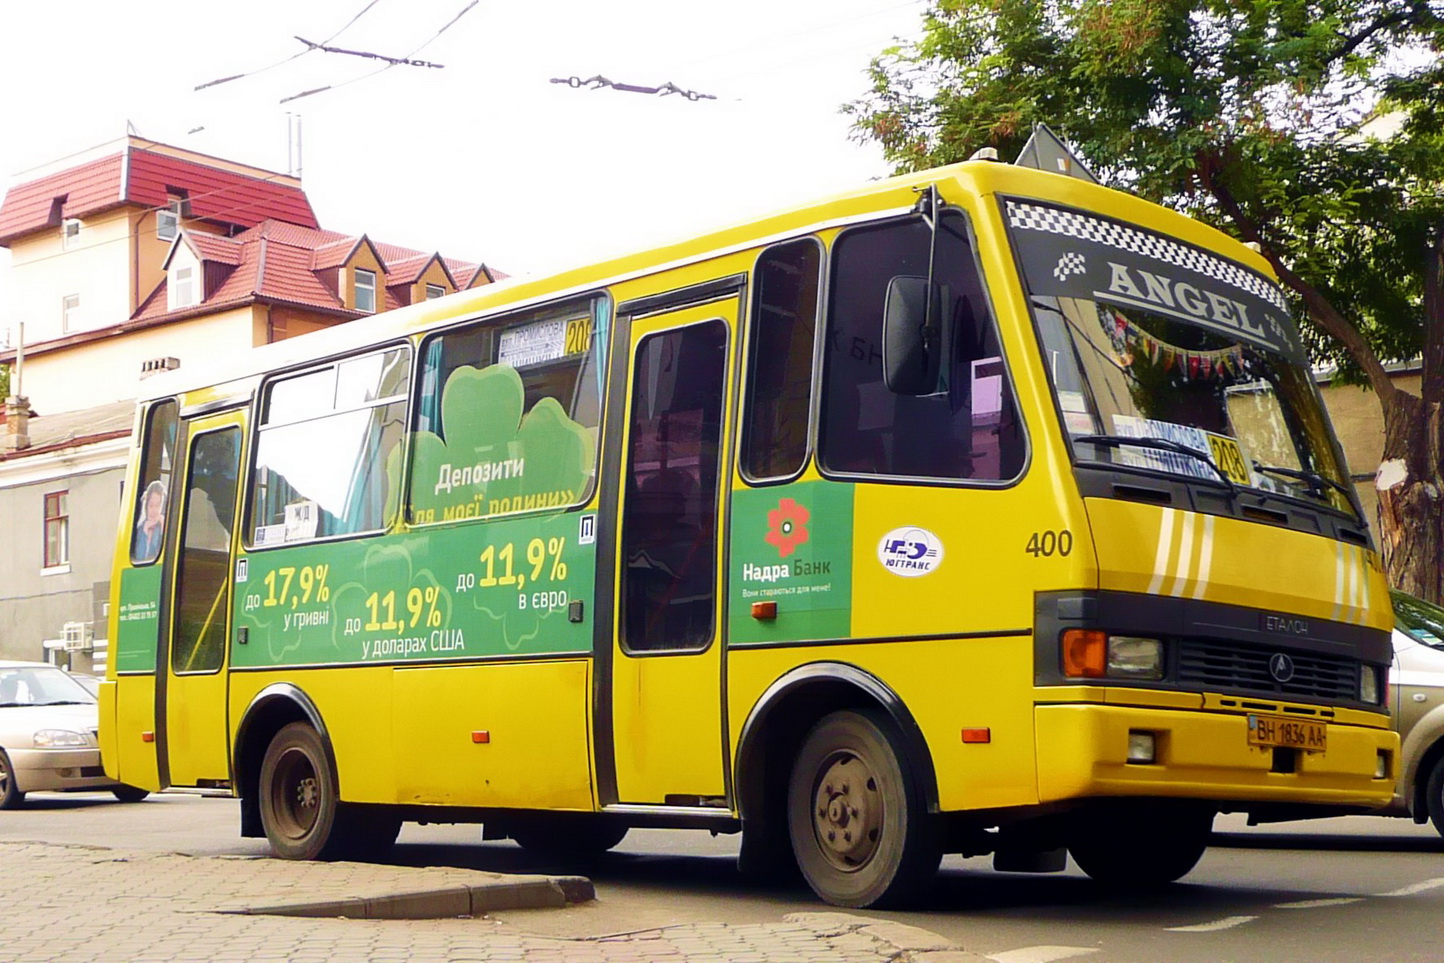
[[1314, 128], [4, 381]]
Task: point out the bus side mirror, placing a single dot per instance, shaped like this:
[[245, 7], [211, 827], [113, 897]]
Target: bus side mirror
[[912, 336]]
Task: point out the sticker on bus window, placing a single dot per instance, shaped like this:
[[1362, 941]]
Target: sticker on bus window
[[910, 552], [528, 344], [269, 535], [1225, 452], [302, 520]]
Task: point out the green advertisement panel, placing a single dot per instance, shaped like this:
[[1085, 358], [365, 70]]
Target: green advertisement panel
[[508, 587], [792, 546], [138, 622]]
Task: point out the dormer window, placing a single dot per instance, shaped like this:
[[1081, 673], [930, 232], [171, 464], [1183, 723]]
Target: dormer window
[[365, 290], [182, 286], [435, 291], [167, 224], [69, 233]]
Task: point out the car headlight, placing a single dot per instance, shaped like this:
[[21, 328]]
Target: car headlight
[[1369, 684], [60, 739]]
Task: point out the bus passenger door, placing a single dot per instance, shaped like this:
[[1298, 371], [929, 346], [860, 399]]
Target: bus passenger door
[[194, 738], [665, 694]]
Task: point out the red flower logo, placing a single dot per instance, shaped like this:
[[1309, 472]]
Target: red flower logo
[[787, 527]]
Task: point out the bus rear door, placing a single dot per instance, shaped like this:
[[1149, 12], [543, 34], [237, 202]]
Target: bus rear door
[[665, 725]]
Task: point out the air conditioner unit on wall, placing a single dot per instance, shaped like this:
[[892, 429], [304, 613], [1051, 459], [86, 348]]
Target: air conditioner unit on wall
[[78, 636]]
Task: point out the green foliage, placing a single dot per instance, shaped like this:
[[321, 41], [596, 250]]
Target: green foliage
[[1314, 127], [4, 381]]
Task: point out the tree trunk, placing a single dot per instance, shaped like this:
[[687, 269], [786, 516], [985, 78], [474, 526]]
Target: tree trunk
[[1411, 497]]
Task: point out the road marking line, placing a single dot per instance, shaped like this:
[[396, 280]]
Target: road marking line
[[1227, 923], [1421, 887], [1042, 954], [1317, 903]]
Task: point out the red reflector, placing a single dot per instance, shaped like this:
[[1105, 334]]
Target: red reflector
[[977, 735], [481, 737], [764, 610], [147, 737]]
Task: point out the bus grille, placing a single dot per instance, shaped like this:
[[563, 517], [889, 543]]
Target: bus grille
[[1224, 666]]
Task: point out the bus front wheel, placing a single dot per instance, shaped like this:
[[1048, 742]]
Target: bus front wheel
[[299, 804], [859, 827], [1140, 845]]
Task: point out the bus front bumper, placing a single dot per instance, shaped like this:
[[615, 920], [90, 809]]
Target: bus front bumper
[[1083, 751]]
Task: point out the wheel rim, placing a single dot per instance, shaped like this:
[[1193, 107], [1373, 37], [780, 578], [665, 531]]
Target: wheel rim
[[4, 779], [295, 794], [847, 811]]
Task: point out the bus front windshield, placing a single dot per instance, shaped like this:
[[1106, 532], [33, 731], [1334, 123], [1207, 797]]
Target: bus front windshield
[[1164, 357]]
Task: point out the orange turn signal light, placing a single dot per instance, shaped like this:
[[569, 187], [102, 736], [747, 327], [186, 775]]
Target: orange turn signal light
[[147, 737], [1085, 653], [977, 736], [481, 737], [764, 610]]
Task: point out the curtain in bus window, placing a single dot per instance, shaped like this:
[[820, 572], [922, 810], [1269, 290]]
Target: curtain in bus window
[[198, 643], [968, 429], [508, 415], [328, 450]]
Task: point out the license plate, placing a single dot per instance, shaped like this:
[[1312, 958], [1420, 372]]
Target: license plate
[[1288, 733]]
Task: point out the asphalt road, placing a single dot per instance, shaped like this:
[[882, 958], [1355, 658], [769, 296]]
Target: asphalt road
[[1347, 889]]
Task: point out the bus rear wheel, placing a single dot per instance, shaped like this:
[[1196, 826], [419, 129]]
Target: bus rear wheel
[[859, 827], [298, 797], [1139, 845]]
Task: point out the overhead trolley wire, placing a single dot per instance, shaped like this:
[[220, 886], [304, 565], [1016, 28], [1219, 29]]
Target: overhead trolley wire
[[260, 70]]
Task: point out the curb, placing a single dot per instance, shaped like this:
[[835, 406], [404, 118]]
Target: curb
[[516, 892]]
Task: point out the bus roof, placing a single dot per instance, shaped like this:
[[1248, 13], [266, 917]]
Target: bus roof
[[879, 198]]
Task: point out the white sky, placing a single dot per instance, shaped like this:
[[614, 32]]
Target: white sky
[[483, 160]]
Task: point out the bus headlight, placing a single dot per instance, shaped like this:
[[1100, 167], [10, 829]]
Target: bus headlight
[[1369, 684], [1092, 654], [1131, 657]]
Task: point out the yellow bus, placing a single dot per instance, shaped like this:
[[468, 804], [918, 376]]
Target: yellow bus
[[982, 510]]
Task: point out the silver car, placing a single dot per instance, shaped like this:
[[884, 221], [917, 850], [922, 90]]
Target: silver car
[[48, 724], [1416, 699]]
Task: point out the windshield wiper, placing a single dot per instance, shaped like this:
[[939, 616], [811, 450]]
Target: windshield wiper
[[64, 702], [1160, 444], [1315, 480]]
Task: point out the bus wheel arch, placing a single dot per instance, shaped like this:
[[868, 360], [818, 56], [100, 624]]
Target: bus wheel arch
[[773, 736], [272, 709]]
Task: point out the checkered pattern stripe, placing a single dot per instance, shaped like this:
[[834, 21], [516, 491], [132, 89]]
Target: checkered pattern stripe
[[1052, 220]]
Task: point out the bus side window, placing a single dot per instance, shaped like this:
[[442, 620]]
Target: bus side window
[[782, 330], [969, 429], [508, 412], [157, 461], [325, 447]]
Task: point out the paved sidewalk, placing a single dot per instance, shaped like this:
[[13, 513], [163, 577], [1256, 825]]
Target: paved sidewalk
[[81, 904]]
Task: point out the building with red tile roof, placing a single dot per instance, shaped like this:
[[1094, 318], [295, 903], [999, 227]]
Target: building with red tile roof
[[131, 258], [139, 256]]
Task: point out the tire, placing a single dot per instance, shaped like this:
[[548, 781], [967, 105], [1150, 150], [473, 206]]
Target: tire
[[1139, 845], [579, 837], [129, 794], [298, 797], [10, 795], [1434, 798], [859, 827]]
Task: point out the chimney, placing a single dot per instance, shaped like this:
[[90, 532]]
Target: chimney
[[17, 424]]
